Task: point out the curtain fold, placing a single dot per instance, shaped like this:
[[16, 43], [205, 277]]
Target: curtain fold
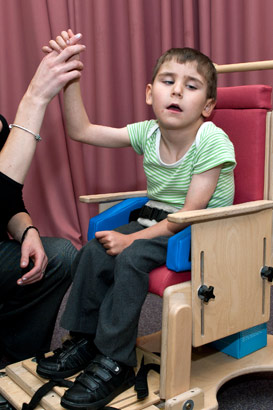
[[123, 38]]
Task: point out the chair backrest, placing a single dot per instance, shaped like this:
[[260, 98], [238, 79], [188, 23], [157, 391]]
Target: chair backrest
[[241, 111]]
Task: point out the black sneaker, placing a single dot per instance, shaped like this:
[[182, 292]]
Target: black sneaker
[[100, 383], [72, 357]]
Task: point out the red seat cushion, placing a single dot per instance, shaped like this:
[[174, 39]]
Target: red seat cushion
[[162, 277]]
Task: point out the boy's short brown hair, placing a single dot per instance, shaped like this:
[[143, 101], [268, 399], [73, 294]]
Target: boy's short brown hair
[[205, 66]]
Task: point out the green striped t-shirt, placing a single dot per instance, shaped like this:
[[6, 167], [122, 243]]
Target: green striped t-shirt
[[169, 183]]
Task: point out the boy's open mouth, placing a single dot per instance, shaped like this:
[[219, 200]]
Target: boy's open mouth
[[174, 107]]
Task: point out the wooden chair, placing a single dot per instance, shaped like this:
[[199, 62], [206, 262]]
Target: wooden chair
[[229, 248]]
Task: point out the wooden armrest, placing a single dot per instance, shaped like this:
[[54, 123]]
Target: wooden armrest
[[116, 196], [202, 215]]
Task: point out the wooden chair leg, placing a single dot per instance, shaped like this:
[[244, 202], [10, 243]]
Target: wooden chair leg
[[176, 341]]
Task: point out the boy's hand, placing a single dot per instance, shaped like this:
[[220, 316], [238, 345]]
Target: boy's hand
[[65, 39], [114, 242]]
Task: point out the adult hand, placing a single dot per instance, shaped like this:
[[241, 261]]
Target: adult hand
[[54, 72], [32, 249], [113, 241]]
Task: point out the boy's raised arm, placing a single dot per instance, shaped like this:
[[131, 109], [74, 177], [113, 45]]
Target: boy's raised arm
[[78, 126]]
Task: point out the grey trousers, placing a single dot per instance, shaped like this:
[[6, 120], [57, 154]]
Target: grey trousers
[[28, 313], [108, 292]]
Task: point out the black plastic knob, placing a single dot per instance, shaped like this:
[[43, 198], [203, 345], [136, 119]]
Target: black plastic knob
[[267, 273], [206, 293]]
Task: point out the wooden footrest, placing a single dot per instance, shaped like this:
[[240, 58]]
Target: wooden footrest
[[20, 381]]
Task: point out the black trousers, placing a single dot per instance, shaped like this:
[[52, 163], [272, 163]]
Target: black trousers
[[108, 292], [28, 313]]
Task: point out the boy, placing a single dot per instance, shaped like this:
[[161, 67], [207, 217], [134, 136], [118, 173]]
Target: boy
[[189, 165]]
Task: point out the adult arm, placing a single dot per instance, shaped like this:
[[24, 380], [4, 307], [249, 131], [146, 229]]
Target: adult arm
[[15, 220], [54, 71]]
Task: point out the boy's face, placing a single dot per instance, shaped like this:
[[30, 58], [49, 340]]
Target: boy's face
[[179, 96]]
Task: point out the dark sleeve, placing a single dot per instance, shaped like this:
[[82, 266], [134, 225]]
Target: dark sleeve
[[4, 133], [11, 202]]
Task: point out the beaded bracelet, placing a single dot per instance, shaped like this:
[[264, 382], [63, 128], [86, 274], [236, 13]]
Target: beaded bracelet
[[36, 136], [26, 231]]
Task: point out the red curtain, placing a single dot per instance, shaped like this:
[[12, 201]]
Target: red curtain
[[123, 38]]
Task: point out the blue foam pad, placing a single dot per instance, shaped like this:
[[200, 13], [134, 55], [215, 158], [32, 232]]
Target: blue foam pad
[[243, 343], [115, 216], [179, 251], [179, 245]]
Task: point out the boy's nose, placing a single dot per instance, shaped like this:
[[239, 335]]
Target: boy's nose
[[177, 90]]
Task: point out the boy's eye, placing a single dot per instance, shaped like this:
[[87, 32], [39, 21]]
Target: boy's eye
[[168, 82], [191, 87]]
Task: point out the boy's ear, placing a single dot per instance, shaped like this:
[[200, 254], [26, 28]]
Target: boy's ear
[[149, 98], [210, 104]]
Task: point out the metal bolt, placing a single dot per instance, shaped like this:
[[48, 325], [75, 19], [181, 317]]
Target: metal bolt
[[189, 405]]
